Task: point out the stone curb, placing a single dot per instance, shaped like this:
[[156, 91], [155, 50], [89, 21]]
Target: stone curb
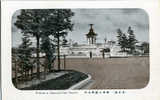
[[81, 83]]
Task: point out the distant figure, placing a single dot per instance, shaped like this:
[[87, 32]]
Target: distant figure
[[103, 54], [90, 54]]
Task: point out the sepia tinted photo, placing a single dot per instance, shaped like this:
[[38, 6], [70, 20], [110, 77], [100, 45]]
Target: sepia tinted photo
[[70, 49]]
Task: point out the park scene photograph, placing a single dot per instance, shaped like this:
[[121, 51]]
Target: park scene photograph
[[74, 49]]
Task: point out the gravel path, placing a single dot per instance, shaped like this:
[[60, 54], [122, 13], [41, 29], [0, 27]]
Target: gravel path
[[114, 73]]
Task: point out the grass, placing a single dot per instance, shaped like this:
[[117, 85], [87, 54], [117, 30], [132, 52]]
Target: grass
[[60, 83]]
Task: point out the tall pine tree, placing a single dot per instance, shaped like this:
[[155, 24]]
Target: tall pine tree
[[31, 22], [122, 40], [49, 49], [62, 24], [131, 40], [40, 22], [24, 56]]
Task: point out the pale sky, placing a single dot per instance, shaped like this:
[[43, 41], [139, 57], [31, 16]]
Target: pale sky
[[106, 22]]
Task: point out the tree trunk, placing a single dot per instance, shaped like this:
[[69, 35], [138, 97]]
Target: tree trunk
[[31, 72], [64, 62], [22, 77], [38, 63], [45, 67], [25, 75], [45, 71], [28, 76], [58, 49], [16, 82]]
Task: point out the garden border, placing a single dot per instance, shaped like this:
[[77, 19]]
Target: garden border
[[81, 83]]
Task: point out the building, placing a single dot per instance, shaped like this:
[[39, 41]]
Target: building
[[93, 48], [91, 36]]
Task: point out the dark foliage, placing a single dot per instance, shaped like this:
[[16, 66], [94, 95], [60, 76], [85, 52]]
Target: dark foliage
[[60, 83], [42, 23], [127, 42]]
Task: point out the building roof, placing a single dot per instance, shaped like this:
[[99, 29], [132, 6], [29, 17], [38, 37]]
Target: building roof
[[91, 32]]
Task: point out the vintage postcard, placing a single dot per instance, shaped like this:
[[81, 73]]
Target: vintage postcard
[[99, 48], [68, 50]]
